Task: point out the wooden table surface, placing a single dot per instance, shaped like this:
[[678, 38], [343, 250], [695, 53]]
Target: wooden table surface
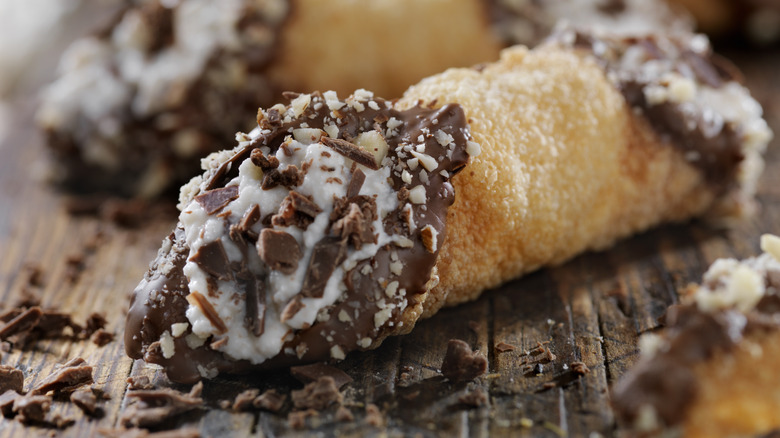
[[591, 309]]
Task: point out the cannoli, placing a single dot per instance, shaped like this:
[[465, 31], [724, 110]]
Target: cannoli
[[336, 223], [711, 371], [136, 106]]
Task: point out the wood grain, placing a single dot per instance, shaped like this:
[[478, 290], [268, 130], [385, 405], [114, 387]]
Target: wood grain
[[590, 310]]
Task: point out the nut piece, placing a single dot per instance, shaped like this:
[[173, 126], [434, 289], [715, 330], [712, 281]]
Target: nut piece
[[430, 238]]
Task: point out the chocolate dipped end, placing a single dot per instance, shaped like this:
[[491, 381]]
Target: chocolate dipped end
[[376, 289]]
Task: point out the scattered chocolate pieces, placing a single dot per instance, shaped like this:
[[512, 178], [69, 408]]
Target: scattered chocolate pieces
[[139, 382], [70, 376], [290, 178], [7, 400], [271, 400], [244, 401], [351, 151], [263, 162], [461, 364], [152, 407], [22, 323], [352, 220], [317, 395], [474, 399], [579, 368], [374, 416], [85, 399], [503, 347], [11, 379], [296, 210], [32, 408], [312, 372], [102, 337], [279, 250], [215, 200]]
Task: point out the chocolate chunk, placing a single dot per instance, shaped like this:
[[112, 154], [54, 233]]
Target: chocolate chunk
[[244, 400], [474, 399], [153, 407], [461, 364], [351, 151], [317, 395], [579, 368], [271, 400], [95, 322], [212, 258], [290, 178], [296, 209], [7, 400], [356, 183], [85, 399], [196, 299], [352, 220], [503, 347], [250, 218], [70, 376], [139, 382], [326, 255], [11, 379], [263, 162], [279, 250], [291, 309], [102, 338], [312, 372], [374, 416], [22, 323], [254, 318], [215, 200], [32, 408]]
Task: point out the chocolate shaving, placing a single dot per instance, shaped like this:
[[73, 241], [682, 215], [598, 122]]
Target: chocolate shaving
[[196, 299], [212, 258], [85, 400], [579, 368], [312, 372], [356, 183], [32, 408], [270, 400], [326, 255], [461, 364], [296, 209], [351, 151], [139, 382], [279, 250], [215, 200], [291, 309], [263, 162], [503, 347], [7, 400], [11, 379], [290, 178], [254, 318], [70, 376], [22, 323], [352, 219], [244, 400], [151, 408], [317, 395]]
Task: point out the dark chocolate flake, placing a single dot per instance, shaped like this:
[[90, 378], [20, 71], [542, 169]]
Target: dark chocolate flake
[[351, 151], [279, 250], [25, 322], [11, 379], [213, 259], [326, 255], [32, 408], [296, 210], [263, 162], [290, 177], [85, 399], [291, 309], [461, 364], [255, 301], [153, 407], [70, 376], [215, 200], [356, 183]]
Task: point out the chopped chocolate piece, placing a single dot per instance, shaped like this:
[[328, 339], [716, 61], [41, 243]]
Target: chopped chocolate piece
[[70, 376], [475, 398], [279, 250], [255, 301], [312, 372], [549, 385], [374, 416], [212, 258], [297, 419], [74, 266], [326, 255], [317, 395], [25, 322], [250, 218], [503, 347], [461, 364], [7, 400], [85, 399], [215, 200], [290, 178], [95, 322], [271, 400], [34, 274], [579, 368], [152, 407], [356, 183], [291, 309], [196, 299], [102, 337], [296, 210], [354, 222], [244, 401], [351, 151], [344, 415], [263, 162], [139, 382], [11, 379], [32, 408]]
